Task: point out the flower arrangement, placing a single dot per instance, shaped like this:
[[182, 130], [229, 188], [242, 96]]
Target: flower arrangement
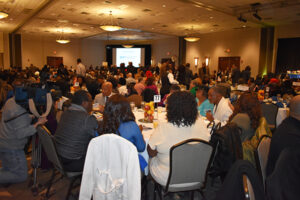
[[148, 112], [261, 95]]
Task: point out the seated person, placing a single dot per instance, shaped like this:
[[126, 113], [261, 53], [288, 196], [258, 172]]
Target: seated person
[[101, 98], [122, 88], [183, 123], [173, 88], [222, 109], [75, 130], [130, 79], [140, 85], [15, 128], [202, 101], [119, 119], [246, 115], [194, 83], [286, 135], [150, 83]]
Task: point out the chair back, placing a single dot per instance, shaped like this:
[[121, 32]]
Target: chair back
[[137, 99], [189, 161], [261, 156], [248, 188], [49, 147], [269, 111]]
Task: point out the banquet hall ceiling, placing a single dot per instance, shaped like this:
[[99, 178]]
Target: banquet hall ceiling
[[143, 19]]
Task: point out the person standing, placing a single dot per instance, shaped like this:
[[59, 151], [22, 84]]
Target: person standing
[[80, 68], [235, 74], [188, 76]]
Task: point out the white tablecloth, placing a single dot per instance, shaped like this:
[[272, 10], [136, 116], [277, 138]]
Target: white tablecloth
[[160, 117]]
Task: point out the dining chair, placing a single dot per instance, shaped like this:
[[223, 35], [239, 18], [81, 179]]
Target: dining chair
[[111, 170], [261, 156], [269, 111], [189, 161], [50, 150], [248, 188]]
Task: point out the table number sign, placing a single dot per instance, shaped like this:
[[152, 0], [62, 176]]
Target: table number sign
[[157, 98]]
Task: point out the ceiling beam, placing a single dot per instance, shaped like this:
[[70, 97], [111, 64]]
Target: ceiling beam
[[37, 11]]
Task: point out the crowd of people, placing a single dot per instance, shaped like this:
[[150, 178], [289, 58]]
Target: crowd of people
[[186, 96]]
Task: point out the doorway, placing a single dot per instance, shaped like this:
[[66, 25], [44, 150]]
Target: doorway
[[227, 62], [54, 61]]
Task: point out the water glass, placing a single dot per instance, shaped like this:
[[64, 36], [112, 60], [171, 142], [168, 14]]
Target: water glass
[[142, 105], [132, 105]]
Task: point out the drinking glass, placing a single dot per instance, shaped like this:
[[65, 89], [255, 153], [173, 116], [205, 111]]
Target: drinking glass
[[155, 124], [142, 105], [132, 105]]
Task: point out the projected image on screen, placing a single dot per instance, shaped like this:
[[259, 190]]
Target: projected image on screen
[[125, 55]]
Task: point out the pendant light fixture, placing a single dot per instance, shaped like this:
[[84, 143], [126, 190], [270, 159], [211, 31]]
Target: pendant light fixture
[[191, 38], [128, 45], [111, 24], [62, 39], [3, 15]]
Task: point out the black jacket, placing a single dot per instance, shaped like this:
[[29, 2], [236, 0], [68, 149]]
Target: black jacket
[[233, 185], [286, 135], [284, 182]]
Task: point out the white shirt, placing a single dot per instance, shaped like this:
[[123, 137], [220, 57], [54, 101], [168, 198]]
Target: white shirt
[[123, 90], [164, 137], [171, 79], [222, 111], [80, 69]]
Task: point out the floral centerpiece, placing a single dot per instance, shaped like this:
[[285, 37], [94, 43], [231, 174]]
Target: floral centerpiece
[[148, 112]]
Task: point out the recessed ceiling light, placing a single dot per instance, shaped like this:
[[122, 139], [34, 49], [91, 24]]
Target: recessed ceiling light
[[164, 6], [244, 26]]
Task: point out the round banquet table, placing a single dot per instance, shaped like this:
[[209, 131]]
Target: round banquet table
[[148, 128]]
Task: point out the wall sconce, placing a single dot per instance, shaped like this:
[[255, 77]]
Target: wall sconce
[[206, 61], [196, 59]]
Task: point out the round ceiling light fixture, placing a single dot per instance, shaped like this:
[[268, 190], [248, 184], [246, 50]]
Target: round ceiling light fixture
[[191, 38], [128, 45], [62, 39], [111, 24]]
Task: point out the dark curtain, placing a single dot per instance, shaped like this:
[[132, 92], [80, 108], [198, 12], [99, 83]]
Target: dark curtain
[[288, 55]]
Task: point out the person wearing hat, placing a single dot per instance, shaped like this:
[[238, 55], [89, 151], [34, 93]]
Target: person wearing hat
[[286, 135]]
